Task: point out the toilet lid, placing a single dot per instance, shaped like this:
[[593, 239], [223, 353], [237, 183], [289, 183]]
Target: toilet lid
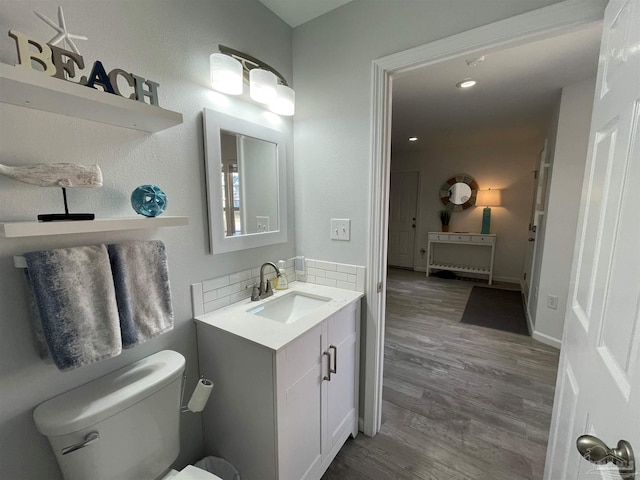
[[194, 473]]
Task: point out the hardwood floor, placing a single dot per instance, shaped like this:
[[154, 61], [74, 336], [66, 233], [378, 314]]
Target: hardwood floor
[[460, 402]]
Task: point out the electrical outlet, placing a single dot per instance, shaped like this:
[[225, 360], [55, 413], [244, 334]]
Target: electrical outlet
[[340, 229], [552, 302]]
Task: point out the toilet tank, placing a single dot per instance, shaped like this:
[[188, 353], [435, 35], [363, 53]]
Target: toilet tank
[[123, 426]]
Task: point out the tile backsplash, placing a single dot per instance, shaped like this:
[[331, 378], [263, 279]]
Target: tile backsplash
[[219, 292]]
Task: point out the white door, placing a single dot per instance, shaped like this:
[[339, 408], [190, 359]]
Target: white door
[[403, 195], [598, 387], [533, 256]]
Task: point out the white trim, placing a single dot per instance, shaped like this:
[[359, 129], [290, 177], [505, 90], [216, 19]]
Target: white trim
[[542, 23], [547, 340]]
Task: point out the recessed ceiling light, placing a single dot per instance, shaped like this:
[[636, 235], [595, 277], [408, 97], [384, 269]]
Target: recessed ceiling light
[[466, 83], [413, 139]]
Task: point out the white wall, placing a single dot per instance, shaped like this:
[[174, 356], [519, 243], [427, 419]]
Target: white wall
[[541, 231], [333, 57], [168, 42], [563, 204], [505, 165]]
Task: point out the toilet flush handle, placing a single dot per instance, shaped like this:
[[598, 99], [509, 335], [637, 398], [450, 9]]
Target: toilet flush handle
[[89, 439]]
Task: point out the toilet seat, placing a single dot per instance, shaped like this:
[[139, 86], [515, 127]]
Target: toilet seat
[[191, 473]]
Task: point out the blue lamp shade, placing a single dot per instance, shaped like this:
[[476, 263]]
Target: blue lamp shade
[[488, 198], [149, 200]]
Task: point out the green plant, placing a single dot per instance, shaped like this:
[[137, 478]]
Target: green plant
[[445, 216]]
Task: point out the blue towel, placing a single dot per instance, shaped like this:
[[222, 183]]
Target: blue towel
[[141, 278], [74, 293]]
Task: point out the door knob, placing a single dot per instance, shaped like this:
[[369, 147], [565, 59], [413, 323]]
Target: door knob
[[596, 451], [531, 239]]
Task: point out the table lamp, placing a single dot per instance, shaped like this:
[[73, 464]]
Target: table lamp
[[488, 198]]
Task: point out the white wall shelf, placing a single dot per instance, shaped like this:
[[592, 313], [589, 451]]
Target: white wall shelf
[[37, 229], [32, 89]]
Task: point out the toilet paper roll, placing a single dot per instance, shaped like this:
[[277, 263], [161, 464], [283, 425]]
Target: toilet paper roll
[[200, 395]]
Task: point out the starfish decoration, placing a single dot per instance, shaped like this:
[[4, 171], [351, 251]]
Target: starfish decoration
[[61, 28]]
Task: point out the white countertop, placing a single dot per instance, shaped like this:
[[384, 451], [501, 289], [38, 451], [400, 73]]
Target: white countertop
[[236, 320]]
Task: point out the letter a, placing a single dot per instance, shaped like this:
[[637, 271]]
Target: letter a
[[99, 76]]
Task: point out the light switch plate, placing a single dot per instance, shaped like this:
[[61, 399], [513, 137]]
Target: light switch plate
[[340, 229]]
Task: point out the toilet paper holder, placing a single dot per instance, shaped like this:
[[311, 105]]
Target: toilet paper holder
[[199, 397]]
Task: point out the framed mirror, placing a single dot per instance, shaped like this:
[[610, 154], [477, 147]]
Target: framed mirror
[[459, 193], [245, 164]]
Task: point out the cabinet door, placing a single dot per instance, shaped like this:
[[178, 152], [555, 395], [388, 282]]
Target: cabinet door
[[339, 393], [299, 377]]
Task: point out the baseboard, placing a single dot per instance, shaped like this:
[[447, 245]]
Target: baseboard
[[527, 315], [547, 340], [420, 269], [507, 279]]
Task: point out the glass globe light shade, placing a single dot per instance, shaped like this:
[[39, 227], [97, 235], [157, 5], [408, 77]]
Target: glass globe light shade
[[262, 85], [285, 101], [226, 74]]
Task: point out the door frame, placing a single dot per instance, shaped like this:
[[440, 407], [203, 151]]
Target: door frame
[[543, 23]]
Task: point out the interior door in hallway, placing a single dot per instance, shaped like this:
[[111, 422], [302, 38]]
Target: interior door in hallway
[[403, 196], [533, 251], [598, 387]]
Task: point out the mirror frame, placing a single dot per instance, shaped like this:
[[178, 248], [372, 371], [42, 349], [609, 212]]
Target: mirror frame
[[213, 123], [444, 192]]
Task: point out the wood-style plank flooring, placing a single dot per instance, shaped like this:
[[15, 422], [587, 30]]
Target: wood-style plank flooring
[[460, 402]]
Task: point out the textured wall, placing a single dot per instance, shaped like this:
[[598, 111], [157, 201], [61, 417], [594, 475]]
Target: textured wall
[[563, 205], [168, 42], [333, 57]]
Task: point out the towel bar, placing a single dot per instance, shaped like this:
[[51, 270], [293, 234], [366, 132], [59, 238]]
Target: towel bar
[[19, 261]]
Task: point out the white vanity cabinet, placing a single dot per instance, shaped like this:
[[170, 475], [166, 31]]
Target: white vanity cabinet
[[285, 414]]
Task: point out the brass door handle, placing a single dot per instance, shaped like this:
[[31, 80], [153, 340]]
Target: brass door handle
[[596, 451]]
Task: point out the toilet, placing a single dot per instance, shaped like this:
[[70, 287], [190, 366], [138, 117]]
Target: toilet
[[123, 426]]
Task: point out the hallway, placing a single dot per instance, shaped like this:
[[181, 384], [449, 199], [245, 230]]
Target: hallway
[[460, 402]]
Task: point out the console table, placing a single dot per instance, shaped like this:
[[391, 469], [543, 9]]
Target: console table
[[463, 240]]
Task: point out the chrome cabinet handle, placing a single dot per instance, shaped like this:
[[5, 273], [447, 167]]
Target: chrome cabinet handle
[[328, 377], [596, 451], [335, 358], [89, 439]]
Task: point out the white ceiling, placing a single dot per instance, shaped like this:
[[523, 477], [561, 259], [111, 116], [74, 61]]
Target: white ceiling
[[516, 92], [297, 12]]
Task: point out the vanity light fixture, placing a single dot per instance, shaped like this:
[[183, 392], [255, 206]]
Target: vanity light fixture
[[413, 139], [230, 69], [488, 198], [466, 83]]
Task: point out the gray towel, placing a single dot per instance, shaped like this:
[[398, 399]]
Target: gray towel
[[141, 278], [75, 298]]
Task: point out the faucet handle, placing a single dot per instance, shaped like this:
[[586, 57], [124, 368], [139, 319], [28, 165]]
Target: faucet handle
[[268, 290], [255, 293]]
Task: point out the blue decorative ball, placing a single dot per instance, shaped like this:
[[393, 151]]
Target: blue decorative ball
[[149, 200]]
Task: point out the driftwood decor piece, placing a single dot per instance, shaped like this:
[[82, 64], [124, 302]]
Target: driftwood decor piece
[[58, 175]]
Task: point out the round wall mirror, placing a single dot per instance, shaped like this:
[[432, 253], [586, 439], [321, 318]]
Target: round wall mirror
[[459, 193]]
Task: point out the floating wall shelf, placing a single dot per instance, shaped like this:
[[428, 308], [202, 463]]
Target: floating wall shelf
[[32, 89], [38, 229]]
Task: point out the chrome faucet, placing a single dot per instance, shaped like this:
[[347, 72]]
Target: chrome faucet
[[265, 287]]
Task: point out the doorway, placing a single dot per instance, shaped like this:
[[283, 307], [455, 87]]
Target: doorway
[[544, 23]]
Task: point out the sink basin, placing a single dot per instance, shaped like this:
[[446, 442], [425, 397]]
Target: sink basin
[[289, 307]]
